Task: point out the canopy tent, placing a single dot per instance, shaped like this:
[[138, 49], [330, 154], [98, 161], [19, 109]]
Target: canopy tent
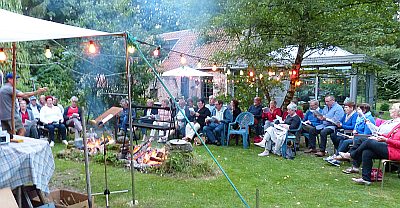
[[185, 71], [23, 28]]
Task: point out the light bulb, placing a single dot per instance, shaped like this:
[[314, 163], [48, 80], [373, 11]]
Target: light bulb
[[228, 72], [47, 52], [183, 60], [92, 47], [214, 67], [3, 56], [156, 52], [199, 64], [131, 49], [281, 74], [241, 72], [261, 76]]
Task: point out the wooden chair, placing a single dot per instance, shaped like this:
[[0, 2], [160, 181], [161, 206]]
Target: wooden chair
[[244, 120]]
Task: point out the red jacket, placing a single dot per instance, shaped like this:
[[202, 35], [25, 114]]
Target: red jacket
[[298, 112], [394, 143], [272, 116]]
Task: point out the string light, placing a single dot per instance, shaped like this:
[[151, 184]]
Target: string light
[[183, 60], [281, 74], [241, 72], [131, 49], [214, 67], [92, 47], [261, 76], [228, 72], [47, 52], [156, 52], [3, 56]]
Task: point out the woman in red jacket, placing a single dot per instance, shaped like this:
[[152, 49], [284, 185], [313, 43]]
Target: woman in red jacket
[[381, 147]]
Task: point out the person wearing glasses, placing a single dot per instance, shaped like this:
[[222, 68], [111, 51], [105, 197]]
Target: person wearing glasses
[[330, 117], [214, 128]]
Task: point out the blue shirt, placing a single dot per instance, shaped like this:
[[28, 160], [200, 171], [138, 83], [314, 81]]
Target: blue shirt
[[361, 127], [311, 117], [350, 123], [335, 113]]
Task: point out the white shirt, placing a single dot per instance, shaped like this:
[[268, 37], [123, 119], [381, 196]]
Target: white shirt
[[35, 111], [49, 115], [219, 114]]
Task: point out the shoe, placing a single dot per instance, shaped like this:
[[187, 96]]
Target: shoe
[[343, 156], [310, 151], [329, 158], [265, 153], [65, 142], [320, 154], [51, 144], [351, 170], [361, 181], [334, 162], [260, 144]]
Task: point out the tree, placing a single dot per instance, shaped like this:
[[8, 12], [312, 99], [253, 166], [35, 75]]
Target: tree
[[261, 27]]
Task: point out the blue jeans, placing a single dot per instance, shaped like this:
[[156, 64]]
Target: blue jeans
[[61, 130], [212, 130]]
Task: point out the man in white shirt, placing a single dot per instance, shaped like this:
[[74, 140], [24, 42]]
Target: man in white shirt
[[52, 118], [34, 107], [215, 125]]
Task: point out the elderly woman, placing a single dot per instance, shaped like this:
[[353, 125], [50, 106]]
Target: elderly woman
[[277, 133], [384, 129]]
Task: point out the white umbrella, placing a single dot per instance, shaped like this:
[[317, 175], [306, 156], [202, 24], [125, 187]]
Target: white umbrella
[[185, 71]]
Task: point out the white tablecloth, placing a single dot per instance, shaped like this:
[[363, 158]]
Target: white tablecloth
[[29, 162]]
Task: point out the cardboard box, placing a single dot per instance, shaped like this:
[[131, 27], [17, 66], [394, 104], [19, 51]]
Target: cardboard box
[[7, 198], [69, 199]]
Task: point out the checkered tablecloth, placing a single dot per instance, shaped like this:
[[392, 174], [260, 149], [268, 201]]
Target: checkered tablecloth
[[29, 162]]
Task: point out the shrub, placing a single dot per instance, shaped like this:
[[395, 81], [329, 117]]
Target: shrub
[[384, 107]]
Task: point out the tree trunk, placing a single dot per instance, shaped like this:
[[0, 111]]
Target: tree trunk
[[292, 88]]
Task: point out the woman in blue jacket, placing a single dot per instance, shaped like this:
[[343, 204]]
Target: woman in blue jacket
[[348, 122]]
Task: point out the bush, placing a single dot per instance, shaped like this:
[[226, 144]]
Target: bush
[[384, 107], [187, 165]]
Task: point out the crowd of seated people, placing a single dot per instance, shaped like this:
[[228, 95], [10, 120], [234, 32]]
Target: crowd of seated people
[[383, 143], [50, 117]]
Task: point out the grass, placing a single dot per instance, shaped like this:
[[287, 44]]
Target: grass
[[305, 181]]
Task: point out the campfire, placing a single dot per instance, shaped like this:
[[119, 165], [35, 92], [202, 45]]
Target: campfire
[[96, 145], [146, 156]]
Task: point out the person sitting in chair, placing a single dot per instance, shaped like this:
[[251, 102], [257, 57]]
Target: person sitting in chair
[[28, 120], [73, 116], [199, 121], [215, 125], [256, 110], [163, 119], [149, 114], [277, 133], [52, 118]]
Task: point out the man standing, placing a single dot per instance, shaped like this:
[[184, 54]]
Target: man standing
[[215, 125], [6, 93], [330, 116]]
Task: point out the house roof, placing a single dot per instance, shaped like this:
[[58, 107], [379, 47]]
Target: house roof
[[187, 42]]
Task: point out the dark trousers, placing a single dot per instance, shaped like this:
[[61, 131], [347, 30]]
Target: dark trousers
[[312, 132], [324, 138], [368, 150], [61, 130]]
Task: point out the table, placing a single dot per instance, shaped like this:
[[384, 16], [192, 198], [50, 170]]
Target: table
[[29, 162]]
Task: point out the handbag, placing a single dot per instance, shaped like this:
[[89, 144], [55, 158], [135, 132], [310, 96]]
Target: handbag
[[376, 174]]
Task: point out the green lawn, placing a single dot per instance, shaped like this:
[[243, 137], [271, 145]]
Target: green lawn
[[306, 181]]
